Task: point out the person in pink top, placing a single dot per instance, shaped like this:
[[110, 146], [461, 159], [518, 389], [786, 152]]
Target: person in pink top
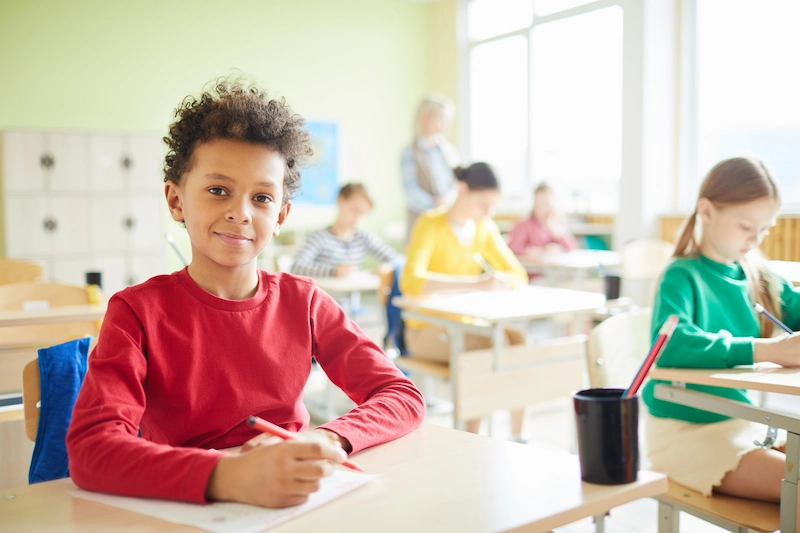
[[183, 360], [543, 231]]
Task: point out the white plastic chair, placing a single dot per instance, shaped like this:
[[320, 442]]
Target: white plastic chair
[[642, 263]]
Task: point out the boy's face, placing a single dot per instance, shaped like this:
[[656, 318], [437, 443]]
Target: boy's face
[[352, 210], [231, 200]]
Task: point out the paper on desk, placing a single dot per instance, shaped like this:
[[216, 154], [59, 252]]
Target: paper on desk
[[228, 517]]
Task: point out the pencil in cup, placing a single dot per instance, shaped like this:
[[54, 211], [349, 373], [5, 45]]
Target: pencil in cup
[[268, 427], [760, 308], [664, 334]]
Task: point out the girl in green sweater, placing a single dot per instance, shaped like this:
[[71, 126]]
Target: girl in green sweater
[[711, 285]]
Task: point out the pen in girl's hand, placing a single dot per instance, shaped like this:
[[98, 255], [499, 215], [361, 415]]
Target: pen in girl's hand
[[268, 427], [760, 308]]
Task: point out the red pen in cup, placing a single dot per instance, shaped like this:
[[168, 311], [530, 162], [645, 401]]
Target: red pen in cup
[[268, 427]]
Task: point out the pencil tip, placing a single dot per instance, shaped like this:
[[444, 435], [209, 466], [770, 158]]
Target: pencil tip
[[251, 420]]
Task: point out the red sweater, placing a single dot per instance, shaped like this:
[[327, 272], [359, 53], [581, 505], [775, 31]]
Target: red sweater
[[187, 368], [533, 233]]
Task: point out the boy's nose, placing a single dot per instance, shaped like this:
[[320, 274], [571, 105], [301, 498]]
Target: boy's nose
[[239, 212]]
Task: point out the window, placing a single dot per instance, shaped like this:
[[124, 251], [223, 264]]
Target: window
[[545, 98], [748, 89]]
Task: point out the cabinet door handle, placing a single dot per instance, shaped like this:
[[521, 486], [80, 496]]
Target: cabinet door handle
[[129, 222], [50, 224], [127, 162], [47, 161]]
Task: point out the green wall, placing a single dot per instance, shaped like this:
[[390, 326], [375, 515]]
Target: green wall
[[121, 65]]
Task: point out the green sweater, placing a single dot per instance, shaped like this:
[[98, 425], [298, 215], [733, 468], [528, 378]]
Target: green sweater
[[716, 326]]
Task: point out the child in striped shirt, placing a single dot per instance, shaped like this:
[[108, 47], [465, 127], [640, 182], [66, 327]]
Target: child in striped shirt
[[339, 249]]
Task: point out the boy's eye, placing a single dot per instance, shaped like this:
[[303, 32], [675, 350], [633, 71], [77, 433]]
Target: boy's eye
[[745, 227], [219, 191], [262, 198]]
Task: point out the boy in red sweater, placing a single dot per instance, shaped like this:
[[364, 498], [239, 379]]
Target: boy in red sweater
[[183, 360]]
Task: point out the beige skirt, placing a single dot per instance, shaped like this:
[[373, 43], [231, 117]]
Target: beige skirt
[[699, 455]]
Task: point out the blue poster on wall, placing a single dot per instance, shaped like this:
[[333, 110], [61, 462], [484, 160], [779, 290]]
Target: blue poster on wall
[[321, 176]]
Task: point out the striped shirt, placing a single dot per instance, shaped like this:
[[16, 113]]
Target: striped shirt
[[324, 251]]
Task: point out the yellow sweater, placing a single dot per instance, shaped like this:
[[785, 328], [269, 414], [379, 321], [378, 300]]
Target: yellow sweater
[[434, 248]]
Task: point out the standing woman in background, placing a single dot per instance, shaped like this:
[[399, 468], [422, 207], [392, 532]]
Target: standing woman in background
[[427, 164]]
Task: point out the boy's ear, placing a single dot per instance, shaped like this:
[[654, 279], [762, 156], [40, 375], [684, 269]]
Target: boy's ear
[[172, 193], [284, 212]]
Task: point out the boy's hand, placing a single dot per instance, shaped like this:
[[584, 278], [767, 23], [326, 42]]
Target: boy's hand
[[279, 475], [344, 270]]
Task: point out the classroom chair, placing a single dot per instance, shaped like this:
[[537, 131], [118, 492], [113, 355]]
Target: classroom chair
[[50, 385], [614, 350], [643, 260], [17, 271]]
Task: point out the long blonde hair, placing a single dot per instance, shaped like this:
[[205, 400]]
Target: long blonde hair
[[737, 181]]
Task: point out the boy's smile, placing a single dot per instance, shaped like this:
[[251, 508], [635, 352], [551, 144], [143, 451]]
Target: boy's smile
[[231, 200]]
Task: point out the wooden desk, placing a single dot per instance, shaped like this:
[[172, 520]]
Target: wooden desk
[[488, 312], [53, 315], [577, 263], [765, 378], [435, 479]]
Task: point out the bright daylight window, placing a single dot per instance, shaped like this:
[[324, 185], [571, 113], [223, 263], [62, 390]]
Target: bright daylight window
[[748, 84], [545, 100]]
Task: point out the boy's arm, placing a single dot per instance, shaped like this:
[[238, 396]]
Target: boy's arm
[[388, 403], [307, 264], [690, 346], [378, 248], [105, 452]]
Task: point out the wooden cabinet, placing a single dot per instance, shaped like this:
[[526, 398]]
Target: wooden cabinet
[[81, 202]]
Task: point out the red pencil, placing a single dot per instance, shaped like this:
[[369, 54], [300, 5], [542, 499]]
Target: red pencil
[[268, 427], [664, 335]]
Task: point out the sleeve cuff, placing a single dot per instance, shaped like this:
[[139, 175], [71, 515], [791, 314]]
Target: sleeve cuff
[[741, 352], [197, 480]]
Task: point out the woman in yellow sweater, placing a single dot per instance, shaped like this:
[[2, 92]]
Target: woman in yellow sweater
[[439, 258]]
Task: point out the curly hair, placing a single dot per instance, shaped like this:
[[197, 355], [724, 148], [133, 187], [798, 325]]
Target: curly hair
[[233, 109]]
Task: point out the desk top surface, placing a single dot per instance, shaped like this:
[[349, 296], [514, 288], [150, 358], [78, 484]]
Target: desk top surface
[[576, 260], [763, 377], [356, 282], [526, 303], [434, 479], [53, 315]]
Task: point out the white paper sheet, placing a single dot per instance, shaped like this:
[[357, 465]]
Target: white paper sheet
[[225, 517]]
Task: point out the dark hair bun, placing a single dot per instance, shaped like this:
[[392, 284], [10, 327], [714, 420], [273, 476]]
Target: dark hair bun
[[478, 177]]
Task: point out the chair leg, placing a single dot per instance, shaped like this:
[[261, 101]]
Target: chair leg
[[668, 518]]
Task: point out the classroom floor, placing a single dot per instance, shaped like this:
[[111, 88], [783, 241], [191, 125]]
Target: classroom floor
[[548, 425]]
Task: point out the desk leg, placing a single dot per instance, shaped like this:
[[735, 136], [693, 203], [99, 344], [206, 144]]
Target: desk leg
[[790, 521], [456, 348]]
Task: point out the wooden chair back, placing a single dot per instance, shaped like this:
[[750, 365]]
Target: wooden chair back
[[617, 347], [18, 271], [31, 394]]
